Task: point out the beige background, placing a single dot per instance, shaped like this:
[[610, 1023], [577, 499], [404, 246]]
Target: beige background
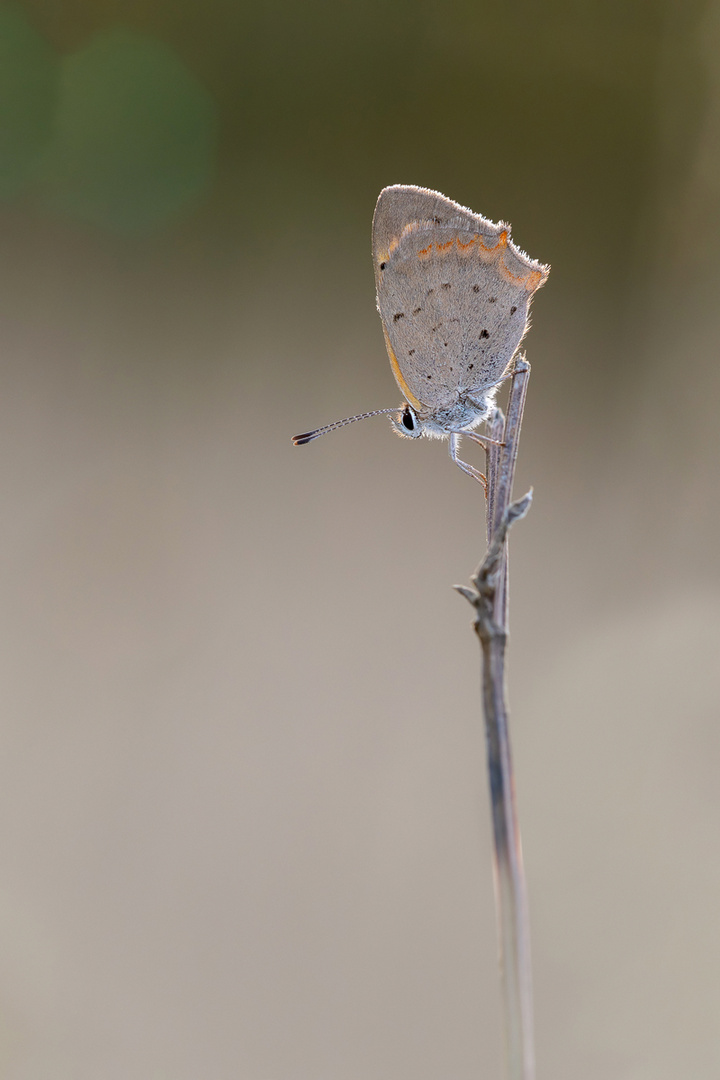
[[243, 812]]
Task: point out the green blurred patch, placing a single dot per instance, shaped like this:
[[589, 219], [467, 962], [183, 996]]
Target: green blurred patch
[[29, 73], [135, 136]]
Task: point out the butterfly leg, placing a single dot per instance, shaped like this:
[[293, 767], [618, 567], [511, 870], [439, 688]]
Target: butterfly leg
[[484, 440], [469, 469]]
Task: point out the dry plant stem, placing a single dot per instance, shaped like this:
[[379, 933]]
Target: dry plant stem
[[489, 599], [503, 480], [496, 430]]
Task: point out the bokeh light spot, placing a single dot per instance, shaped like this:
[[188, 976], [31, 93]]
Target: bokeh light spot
[[135, 137], [28, 86]]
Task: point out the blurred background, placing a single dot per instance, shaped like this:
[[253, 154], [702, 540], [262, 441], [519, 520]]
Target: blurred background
[[244, 824]]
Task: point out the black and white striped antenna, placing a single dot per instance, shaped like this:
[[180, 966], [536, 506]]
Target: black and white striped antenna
[[308, 436]]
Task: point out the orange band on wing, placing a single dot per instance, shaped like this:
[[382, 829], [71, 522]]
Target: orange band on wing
[[513, 279], [535, 280], [405, 389], [495, 250]]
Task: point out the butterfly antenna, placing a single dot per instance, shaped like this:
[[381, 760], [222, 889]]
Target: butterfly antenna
[[308, 436]]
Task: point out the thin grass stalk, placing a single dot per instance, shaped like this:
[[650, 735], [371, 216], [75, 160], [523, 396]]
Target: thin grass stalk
[[489, 597]]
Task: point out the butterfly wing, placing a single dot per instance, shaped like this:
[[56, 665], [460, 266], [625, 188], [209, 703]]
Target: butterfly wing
[[453, 293]]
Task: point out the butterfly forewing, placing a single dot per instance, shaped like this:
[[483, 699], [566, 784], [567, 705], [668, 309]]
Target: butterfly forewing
[[453, 293]]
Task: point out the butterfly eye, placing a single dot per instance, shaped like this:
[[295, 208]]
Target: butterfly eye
[[406, 423], [408, 419]]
